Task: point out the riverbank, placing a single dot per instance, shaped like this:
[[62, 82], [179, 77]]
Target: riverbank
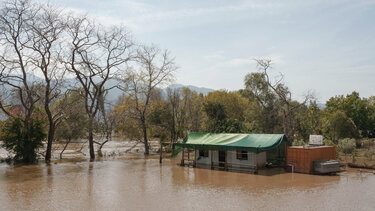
[[360, 158], [79, 149]]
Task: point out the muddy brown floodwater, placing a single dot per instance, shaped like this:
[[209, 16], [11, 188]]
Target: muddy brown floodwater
[[142, 184]]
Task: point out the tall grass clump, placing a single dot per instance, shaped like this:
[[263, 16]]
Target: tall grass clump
[[370, 154]]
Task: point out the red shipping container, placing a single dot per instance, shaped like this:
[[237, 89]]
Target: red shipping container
[[303, 157]]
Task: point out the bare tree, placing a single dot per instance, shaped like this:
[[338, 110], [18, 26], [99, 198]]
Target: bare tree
[[74, 121], [184, 112], [15, 62], [32, 31], [96, 55], [105, 122], [45, 31], [154, 68], [174, 101], [284, 95]]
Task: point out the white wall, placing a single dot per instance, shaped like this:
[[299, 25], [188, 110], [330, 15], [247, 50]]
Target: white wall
[[203, 160], [261, 159], [252, 158]]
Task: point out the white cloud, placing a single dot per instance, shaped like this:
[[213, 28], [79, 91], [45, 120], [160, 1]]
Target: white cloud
[[220, 60], [143, 17], [239, 62]]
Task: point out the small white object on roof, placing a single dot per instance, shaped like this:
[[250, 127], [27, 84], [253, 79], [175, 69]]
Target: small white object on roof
[[316, 140]]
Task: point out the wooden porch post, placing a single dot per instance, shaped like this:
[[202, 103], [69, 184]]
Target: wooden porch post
[[195, 158], [188, 151], [211, 153], [226, 164], [182, 158]]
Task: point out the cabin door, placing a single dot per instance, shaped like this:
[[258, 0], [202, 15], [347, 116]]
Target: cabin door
[[222, 158]]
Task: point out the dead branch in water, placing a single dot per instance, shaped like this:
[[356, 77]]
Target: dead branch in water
[[132, 147], [101, 144], [66, 145], [80, 150]]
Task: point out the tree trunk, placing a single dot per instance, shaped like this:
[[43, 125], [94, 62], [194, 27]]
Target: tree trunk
[[285, 125], [91, 139], [51, 134], [144, 128], [161, 153], [51, 129]]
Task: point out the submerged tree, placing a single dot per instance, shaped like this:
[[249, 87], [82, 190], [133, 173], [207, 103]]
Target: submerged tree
[[15, 64], [20, 90], [73, 124], [154, 68], [96, 55], [104, 121], [22, 141], [45, 31], [31, 42], [185, 111]]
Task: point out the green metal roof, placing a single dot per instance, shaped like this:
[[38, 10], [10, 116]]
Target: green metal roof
[[230, 141]]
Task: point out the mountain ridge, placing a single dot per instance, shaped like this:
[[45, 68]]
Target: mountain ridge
[[115, 93]]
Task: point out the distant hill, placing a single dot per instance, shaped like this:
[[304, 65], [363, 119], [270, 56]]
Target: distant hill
[[199, 90], [321, 105], [115, 93]]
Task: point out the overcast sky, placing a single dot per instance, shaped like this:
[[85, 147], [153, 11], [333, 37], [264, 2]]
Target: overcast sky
[[324, 46]]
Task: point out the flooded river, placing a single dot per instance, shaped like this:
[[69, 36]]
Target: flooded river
[[142, 184]]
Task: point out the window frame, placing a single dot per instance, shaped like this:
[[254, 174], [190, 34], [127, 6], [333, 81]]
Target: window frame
[[204, 153], [242, 155]]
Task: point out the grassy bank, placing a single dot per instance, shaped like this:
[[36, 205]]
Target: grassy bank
[[357, 153]]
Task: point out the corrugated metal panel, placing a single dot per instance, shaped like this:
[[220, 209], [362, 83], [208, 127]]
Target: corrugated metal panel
[[303, 157]]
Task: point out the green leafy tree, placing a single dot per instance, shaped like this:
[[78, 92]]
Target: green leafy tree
[[276, 112], [234, 104], [218, 122], [356, 109], [22, 141], [338, 125], [215, 111], [309, 120]]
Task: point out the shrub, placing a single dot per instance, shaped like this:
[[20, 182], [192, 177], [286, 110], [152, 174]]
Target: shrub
[[298, 142], [347, 145], [21, 140], [328, 142]]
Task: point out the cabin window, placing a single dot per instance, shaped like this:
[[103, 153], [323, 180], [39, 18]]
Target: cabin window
[[241, 155], [203, 153]]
